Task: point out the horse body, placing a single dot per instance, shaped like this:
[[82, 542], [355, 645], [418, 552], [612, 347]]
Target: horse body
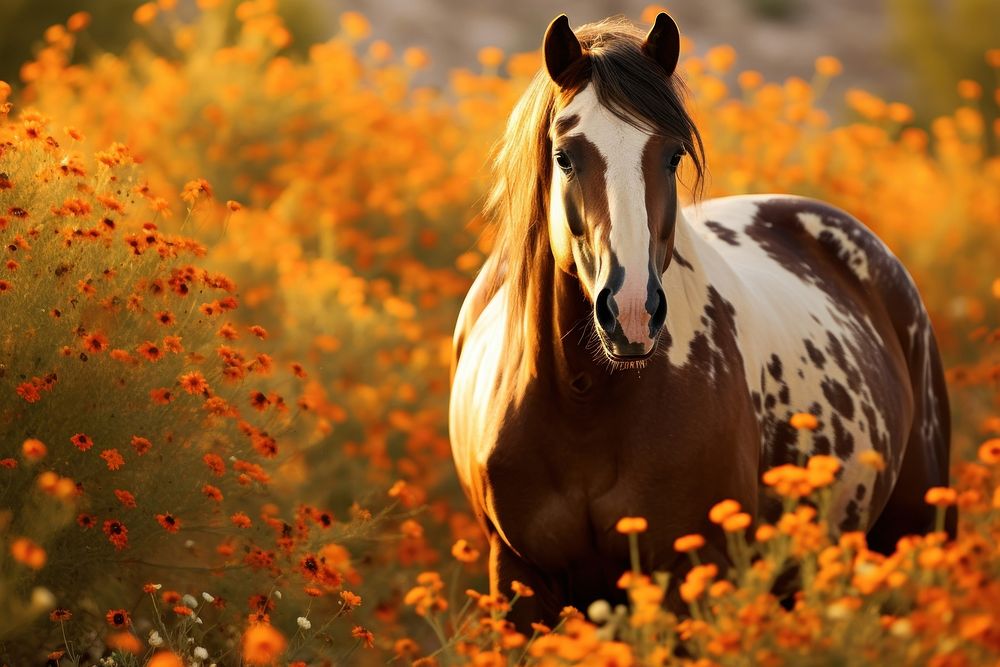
[[623, 357]]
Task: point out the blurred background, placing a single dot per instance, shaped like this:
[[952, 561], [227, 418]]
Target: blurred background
[[907, 50]]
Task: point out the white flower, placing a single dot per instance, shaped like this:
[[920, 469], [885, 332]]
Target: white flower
[[208, 597], [304, 622], [200, 653], [155, 639], [197, 619], [190, 600], [277, 594], [599, 611], [189, 544]]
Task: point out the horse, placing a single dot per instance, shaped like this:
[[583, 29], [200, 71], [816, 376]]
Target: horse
[[621, 355]]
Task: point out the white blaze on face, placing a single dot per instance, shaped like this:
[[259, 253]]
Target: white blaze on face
[[621, 145]]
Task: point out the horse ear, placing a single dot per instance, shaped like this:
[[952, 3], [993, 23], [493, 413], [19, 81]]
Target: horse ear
[[663, 43], [561, 47]]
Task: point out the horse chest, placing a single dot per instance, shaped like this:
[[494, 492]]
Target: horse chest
[[558, 480]]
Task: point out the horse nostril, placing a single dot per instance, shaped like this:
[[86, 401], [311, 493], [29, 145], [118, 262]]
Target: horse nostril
[[659, 315], [603, 310]]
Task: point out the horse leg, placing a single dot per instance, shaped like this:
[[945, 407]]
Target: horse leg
[[507, 567], [925, 464]]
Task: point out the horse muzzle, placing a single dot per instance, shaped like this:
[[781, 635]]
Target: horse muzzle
[[629, 325]]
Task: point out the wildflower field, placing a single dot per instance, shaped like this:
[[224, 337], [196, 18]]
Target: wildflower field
[[228, 281]]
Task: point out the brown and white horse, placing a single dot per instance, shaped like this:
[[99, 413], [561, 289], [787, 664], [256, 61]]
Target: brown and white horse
[[621, 356]]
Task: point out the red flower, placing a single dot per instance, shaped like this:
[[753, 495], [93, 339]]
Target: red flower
[[117, 533], [161, 396], [140, 445], [169, 523], [215, 464], [150, 350], [95, 342], [86, 520], [113, 458], [363, 635], [125, 497], [82, 442], [118, 618]]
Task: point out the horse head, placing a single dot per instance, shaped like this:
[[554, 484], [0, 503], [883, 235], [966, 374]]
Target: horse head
[[617, 134]]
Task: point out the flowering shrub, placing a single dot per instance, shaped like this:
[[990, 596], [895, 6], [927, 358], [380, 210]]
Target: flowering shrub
[[278, 440]]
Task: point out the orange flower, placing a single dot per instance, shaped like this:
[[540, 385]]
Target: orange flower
[[193, 383], [940, 496], [686, 543], [33, 450], [27, 552], [490, 57], [631, 524], [240, 520], [464, 552], [350, 600], [170, 523], [872, 459], [95, 342], [735, 523], [165, 659], [828, 66], [521, 590], [126, 642], [723, 510], [355, 25], [195, 190], [989, 451], [804, 421], [263, 645], [212, 492], [150, 351]]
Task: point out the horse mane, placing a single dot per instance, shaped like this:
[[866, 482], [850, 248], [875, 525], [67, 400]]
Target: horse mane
[[628, 83]]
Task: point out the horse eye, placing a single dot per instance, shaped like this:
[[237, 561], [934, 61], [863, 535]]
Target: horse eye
[[676, 159], [564, 162]]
